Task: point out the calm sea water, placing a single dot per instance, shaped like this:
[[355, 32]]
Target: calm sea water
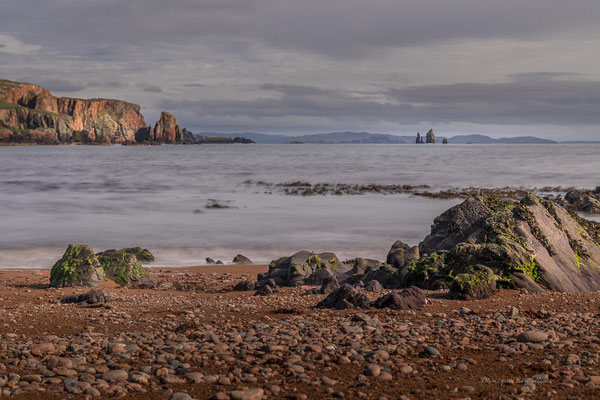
[[156, 196]]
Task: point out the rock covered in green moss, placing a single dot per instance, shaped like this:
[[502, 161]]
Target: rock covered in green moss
[[532, 244], [141, 254], [77, 267], [123, 268], [478, 282]]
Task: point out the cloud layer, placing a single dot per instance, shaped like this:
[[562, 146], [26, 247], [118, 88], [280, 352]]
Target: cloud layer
[[305, 66]]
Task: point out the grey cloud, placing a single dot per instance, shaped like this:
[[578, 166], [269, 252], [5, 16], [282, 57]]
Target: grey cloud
[[537, 99], [337, 28], [151, 89]]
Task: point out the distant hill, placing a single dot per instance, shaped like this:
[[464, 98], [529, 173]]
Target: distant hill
[[374, 138], [482, 139]]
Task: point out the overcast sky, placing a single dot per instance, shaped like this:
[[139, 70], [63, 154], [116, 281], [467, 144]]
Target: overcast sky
[[502, 68]]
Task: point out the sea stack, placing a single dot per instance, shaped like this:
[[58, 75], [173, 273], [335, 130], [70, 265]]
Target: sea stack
[[419, 138], [430, 138]]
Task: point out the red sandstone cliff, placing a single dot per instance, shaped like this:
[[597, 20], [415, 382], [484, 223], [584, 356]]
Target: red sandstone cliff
[[31, 114]]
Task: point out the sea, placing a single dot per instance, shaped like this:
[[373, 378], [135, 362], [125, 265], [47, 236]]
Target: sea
[[159, 197]]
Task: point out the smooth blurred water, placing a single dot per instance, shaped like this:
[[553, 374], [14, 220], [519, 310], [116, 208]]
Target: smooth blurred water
[[156, 196]]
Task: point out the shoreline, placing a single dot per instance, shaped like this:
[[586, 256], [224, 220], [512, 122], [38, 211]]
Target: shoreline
[[226, 341]]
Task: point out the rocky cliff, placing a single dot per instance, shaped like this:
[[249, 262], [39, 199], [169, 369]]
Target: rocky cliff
[[31, 114]]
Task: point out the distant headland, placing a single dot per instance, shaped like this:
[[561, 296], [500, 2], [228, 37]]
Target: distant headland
[[30, 114]]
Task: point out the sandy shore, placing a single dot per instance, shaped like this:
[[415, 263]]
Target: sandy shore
[[196, 336]]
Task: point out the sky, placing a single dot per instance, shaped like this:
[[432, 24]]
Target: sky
[[500, 68]]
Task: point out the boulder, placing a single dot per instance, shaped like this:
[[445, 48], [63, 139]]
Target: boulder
[[266, 287], [241, 259], [329, 285], [411, 298], [123, 268], [395, 256], [244, 286], [532, 244], [345, 297], [386, 275], [94, 296], [78, 266], [373, 286], [361, 265], [139, 253], [303, 268], [478, 282], [210, 260]]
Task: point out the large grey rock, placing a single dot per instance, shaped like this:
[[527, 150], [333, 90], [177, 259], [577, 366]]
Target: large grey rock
[[303, 268], [77, 267]]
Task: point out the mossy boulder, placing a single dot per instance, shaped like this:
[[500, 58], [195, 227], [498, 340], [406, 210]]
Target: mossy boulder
[[533, 244], [78, 266], [143, 255], [123, 268], [478, 282]]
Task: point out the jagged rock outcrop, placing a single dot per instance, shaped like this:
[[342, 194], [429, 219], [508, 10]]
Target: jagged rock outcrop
[[345, 297], [430, 137], [419, 139], [33, 115], [167, 130], [533, 244]]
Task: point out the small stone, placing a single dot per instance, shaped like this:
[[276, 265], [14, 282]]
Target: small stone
[[180, 396], [431, 351], [250, 394], [115, 376], [532, 336]]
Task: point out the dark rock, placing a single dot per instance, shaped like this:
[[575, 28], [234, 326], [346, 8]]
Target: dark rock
[[265, 287], [395, 256], [77, 267], [343, 298], [373, 286], [244, 286], [411, 298], [387, 276], [95, 296], [584, 200], [445, 141], [456, 225], [478, 282], [361, 265], [240, 259], [329, 285], [144, 282], [219, 262], [430, 137], [303, 268], [243, 140], [210, 260]]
